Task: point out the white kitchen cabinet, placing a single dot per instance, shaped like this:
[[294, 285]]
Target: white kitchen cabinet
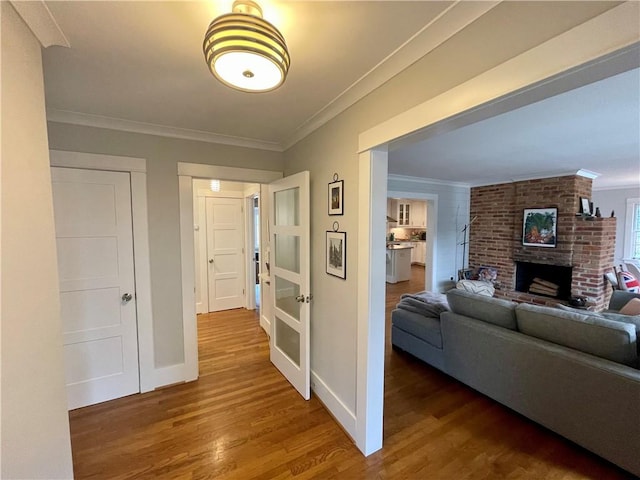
[[419, 253], [404, 213], [398, 263], [418, 210]]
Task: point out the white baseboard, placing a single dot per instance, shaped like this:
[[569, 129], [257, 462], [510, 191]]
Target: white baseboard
[[164, 376], [339, 410], [265, 324]]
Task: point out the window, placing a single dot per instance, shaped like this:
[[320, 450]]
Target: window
[[632, 229]]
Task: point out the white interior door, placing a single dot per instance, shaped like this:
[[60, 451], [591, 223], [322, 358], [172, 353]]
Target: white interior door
[[225, 253], [95, 267], [290, 296]]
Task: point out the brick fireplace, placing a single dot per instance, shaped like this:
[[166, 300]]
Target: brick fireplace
[[584, 247]]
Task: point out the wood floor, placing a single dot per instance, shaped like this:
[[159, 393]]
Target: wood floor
[[242, 420]]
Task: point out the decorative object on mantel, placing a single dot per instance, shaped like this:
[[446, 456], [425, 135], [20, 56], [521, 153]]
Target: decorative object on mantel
[[337, 252], [613, 213], [598, 214], [539, 227], [336, 196], [585, 209]]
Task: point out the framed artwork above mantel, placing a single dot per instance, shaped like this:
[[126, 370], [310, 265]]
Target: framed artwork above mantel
[[539, 227]]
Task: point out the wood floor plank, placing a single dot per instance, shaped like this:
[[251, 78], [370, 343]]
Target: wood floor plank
[[242, 420]]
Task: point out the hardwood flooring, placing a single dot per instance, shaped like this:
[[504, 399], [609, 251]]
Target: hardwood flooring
[[242, 420]]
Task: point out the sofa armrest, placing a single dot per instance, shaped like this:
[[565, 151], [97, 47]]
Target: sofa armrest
[[619, 299]]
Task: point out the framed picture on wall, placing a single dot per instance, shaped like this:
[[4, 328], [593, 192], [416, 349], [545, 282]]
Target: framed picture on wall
[[336, 197], [337, 254], [539, 227]]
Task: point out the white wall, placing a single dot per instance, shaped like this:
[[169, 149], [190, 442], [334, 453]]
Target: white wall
[[162, 156], [616, 200], [35, 424]]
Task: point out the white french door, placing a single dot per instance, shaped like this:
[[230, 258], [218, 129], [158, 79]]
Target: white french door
[[290, 271], [225, 253], [94, 239]]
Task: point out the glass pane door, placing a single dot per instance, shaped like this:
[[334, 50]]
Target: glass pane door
[[289, 226]]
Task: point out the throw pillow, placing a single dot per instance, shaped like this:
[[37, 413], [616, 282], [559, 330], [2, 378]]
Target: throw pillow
[[628, 282], [477, 287], [632, 307]]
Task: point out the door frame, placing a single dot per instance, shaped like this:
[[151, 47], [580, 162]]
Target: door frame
[[186, 173], [431, 260], [249, 254], [137, 168]]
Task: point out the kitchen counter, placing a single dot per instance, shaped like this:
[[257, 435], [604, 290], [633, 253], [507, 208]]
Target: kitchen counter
[[398, 263], [398, 247]]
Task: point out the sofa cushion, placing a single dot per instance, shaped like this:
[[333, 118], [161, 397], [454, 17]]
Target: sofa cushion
[[488, 309], [425, 328], [588, 333]]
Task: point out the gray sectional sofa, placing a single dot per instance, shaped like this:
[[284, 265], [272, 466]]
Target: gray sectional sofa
[[573, 372]]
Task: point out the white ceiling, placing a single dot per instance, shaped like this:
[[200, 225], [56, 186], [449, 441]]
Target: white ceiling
[[595, 127], [139, 66]]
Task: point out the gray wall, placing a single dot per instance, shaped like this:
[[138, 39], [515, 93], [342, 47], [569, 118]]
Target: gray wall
[[162, 155], [35, 424], [616, 200]]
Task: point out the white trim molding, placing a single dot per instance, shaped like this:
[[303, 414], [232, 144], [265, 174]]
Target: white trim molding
[[332, 402], [100, 121], [137, 169], [452, 20], [230, 174], [427, 181], [521, 78], [41, 22], [370, 300], [628, 227]]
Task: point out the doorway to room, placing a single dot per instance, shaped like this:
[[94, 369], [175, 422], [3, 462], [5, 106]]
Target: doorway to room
[[226, 245]]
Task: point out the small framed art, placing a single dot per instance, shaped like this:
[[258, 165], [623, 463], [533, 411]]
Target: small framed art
[[337, 254], [336, 197], [585, 207], [539, 227]]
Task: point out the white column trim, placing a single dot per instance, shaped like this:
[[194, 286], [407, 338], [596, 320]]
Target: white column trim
[[137, 169], [187, 257], [372, 207]]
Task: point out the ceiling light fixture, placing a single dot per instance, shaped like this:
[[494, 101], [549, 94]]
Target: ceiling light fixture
[[246, 52]]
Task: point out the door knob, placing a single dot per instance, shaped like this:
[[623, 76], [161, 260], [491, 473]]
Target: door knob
[[126, 298], [211, 260], [300, 298]]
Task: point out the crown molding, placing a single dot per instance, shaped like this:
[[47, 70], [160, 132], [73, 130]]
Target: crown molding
[[540, 175], [452, 20], [89, 120], [600, 188], [426, 181], [41, 22]]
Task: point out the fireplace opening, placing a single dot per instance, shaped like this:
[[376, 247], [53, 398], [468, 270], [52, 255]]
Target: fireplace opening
[[547, 280]]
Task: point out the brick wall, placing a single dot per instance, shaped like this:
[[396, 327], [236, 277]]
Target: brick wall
[[495, 236]]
